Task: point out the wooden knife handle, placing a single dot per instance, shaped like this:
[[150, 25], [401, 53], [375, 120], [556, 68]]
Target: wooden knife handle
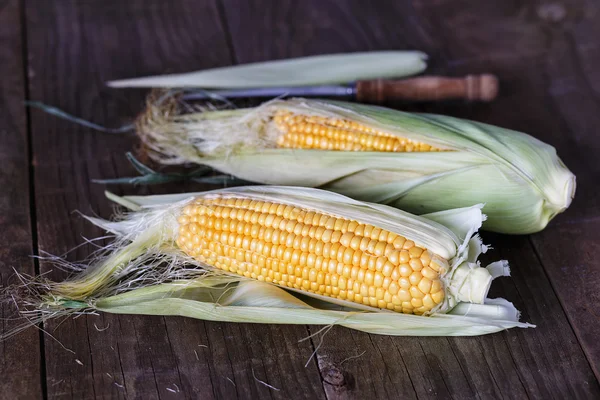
[[428, 88]]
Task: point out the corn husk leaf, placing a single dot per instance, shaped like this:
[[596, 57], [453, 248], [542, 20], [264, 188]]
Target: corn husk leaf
[[233, 300], [314, 70], [520, 179]]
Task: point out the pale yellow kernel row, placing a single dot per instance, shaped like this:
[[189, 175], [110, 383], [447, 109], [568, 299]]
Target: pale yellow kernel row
[[351, 238], [257, 212], [334, 274]]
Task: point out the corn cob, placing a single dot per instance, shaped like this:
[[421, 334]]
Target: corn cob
[[312, 251], [415, 162], [310, 132], [287, 255]]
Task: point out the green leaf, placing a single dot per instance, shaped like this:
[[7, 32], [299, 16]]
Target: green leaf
[[243, 300], [313, 70]]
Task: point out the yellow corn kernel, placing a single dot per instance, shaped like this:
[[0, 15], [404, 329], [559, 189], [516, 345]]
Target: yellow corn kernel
[[312, 251], [310, 132]]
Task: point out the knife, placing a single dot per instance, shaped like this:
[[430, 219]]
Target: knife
[[482, 87]]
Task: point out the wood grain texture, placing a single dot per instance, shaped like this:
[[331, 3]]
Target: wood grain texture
[[572, 70], [547, 59], [548, 89], [463, 37], [20, 358], [75, 47], [261, 32]]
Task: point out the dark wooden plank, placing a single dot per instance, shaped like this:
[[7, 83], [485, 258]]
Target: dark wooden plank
[[75, 46], [554, 84], [507, 38], [548, 359], [571, 68], [260, 31], [535, 66], [573, 271], [20, 356]]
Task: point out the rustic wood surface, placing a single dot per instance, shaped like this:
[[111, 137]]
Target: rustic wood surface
[[61, 51], [20, 361]]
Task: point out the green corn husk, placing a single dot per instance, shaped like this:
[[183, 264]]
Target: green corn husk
[[144, 272], [314, 70], [520, 179]]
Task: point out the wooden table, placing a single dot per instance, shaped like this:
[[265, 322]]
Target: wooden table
[[61, 51]]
